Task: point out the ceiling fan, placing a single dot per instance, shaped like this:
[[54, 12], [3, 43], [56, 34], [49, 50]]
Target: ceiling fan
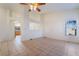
[[33, 6]]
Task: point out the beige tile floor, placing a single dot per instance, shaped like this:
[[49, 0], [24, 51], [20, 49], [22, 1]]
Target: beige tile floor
[[38, 47]]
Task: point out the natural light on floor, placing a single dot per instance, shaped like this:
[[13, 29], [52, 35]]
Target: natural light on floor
[[18, 39]]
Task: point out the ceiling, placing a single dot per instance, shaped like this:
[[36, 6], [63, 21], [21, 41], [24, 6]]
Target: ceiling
[[48, 7], [59, 6]]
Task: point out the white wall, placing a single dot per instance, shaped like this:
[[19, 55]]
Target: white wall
[[54, 24], [4, 24]]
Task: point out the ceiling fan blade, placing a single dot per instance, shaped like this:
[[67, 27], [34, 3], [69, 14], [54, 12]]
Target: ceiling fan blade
[[38, 9], [41, 3], [31, 3], [24, 3]]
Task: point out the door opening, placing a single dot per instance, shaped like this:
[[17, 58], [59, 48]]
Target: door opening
[[17, 29]]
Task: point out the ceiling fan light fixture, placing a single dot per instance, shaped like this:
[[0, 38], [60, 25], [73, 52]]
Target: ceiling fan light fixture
[[34, 6]]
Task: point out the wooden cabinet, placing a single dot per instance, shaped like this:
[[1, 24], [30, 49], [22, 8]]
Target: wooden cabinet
[[18, 33]]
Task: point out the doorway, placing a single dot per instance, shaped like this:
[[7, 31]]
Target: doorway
[[17, 30]]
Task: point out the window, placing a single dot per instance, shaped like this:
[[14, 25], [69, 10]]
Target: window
[[71, 29], [35, 21], [34, 26]]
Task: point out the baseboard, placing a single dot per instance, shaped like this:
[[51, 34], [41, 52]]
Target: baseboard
[[71, 41]]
